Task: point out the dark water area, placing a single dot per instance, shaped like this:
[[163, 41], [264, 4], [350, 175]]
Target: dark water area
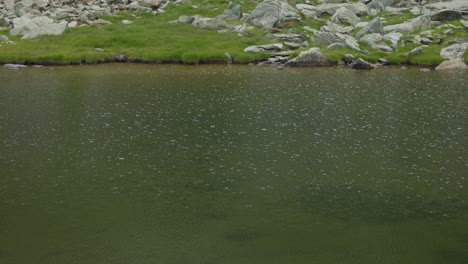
[[224, 164]]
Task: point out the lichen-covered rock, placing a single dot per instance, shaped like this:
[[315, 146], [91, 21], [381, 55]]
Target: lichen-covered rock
[[309, 58]]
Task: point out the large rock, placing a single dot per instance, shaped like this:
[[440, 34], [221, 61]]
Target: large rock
[[446, 15], [454, 51], [452, 64], [273, 13], [374, 26], [345, 16], [419, 23], [312, 57], [31, 28]]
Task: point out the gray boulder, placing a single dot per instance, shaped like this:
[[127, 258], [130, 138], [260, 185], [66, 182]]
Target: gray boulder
[[312, 57], [374, 26], [361, 64], [454, 51], [452, 64], [31, 28], [446, 15], [345, 16], [273, 13]]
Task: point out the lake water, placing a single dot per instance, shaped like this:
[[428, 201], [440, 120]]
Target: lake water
[[146, 164]]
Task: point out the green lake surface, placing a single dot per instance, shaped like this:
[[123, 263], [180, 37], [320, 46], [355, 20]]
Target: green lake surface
[[166, 164]]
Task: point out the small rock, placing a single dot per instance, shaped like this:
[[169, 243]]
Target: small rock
[[99, 50], [424, 70], [383, 61], [126, 22]]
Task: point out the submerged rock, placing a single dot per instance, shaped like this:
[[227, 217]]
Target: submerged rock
[[310, 58]]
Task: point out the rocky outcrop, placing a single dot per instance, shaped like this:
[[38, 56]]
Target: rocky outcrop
[[274, 13], [312, 57]]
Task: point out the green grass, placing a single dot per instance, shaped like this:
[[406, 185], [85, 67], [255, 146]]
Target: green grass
[[150, 38]]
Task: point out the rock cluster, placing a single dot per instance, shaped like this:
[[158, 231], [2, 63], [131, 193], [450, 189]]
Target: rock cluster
[[31, 18], [343, 18]]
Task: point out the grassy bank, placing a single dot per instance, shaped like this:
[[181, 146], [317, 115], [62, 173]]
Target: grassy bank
[[154, 39], [149, 38]]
